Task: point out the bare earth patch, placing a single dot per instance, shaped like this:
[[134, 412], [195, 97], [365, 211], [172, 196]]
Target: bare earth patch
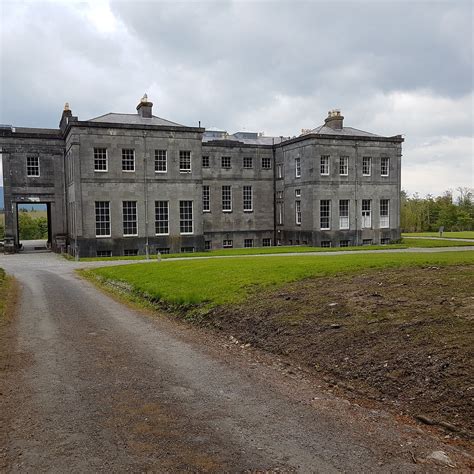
[[402, 336]]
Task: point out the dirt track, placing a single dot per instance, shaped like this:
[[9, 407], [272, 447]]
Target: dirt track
[[93, 385]]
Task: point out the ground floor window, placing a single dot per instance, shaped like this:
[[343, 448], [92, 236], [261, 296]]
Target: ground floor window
[[186, 217], [102, 219], [248, 243], [344, 243], [384, 213], [187, 249], [267, 242], [366, 213], [161, 218], [130, 252], [227, 244], [325, 214], [104, 253], [129, 214], [326, 243]]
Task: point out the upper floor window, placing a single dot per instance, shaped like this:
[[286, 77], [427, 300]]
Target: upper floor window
[[32, 166], [102, 219], [280, 213], [100, 159], [184, 161], [226, 162], [186, 217], [266, 163], [226, 198], [324, 165], [384, 166], [129, 214], [205, 161], [128, 159], [279, 194], [384, 213], [247, 198], [206, 199], [325, 214], [366, 166], [161, 161], [297, 193], [248, 162], [343, 165], [298, 167]]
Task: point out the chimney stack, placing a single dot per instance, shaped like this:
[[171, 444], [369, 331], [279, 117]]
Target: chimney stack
[[144, 108], [334, 119]]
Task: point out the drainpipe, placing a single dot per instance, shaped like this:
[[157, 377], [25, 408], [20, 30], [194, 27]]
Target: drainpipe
[[355, 194], [274, 194], [145, 195]]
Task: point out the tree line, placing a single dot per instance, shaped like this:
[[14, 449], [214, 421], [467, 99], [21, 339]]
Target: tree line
[[428, 214]]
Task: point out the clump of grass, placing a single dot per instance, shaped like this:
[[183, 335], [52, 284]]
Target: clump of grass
[[207, 283], [468, 234]]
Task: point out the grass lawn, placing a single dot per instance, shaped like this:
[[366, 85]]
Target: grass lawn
[[450, 235], [411, 243], [218, 281]]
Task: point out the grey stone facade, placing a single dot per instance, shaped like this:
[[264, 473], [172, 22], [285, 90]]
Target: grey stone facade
[[135, 184]]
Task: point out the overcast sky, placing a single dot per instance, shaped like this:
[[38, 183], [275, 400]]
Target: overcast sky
[[399, 67]]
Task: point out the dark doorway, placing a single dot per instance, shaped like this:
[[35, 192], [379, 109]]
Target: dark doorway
[[33, 226]]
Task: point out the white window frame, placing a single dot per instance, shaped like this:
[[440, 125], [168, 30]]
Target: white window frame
[[280, 213], [297, 192], [35, 166], [385, 217], [227, 244], [385, 159], [298, 167], [325, 203], [247, 199], [344, 223], [183, 157], [324, 165], [97, 151], [226, 200], [267, 242], [298, 212], [129, 221], [343, 166], [158, 208], [365, 160], [246, 241], [159, 160], [206, 198], [279, 171], [127, 158], [108, 222], [366, 207], [181, 220]]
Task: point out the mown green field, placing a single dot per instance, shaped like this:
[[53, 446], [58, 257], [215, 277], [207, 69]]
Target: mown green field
[[218, 281], [450, 235]]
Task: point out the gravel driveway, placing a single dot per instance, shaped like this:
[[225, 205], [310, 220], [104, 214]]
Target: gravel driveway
[[95, 386]]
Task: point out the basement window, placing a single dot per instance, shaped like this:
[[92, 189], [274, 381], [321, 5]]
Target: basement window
[[248, 243], [104, 253], [326, 244], [227, 244], [130, 252], [344, 243], [187, 249], [267, 242]]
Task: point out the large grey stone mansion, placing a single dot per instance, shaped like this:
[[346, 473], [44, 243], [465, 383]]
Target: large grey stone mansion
[[127, 184]]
